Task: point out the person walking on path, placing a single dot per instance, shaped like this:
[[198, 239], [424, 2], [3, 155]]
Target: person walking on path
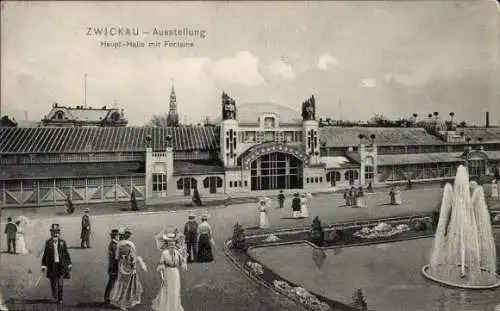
[[304, 209], [171, 261], [127, 290], [112, 264], [281, 199], [191, 235], [263, 209], [133, 201], [56, 262], [205, 241], [10, 231], [296, 205], [85, 233]]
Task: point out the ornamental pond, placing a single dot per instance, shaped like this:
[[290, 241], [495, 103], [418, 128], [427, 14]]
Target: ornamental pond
[[389, 275]]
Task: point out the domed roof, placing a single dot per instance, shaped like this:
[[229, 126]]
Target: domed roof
[[249, 113]]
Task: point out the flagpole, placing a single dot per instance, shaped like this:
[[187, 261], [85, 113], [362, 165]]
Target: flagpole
[[85, 100]]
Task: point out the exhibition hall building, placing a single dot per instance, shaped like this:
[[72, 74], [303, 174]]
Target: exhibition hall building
[[91, 155]]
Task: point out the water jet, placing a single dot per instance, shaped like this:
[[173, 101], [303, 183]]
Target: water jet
[[463, 253]]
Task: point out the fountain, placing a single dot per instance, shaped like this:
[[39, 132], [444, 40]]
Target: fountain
[[463, 254]]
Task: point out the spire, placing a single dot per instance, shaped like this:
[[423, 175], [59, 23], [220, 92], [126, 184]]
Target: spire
[[173, 116]]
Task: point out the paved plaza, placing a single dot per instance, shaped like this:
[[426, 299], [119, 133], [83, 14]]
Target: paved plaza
[[214, 286]]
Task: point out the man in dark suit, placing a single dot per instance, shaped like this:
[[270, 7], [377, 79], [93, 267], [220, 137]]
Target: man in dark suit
[[10, 231], [85, 233], [112, 264], [56, 262], [191, 236]]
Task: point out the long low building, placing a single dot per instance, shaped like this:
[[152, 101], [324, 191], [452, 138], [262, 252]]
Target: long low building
[[253, 148]]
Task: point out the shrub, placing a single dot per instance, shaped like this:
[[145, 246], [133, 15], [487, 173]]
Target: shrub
[[238, 239], [358, 301]]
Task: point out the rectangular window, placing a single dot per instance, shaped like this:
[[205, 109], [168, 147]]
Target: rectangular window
[[159, 182], [239, 184], [230, 184], [246, 183]]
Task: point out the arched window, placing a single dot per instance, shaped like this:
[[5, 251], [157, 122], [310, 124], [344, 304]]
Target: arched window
[[269, 122], [59, 115]]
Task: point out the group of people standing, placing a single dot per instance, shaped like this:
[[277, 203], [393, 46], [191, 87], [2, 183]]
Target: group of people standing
[[395, 196], [124, 289], [354, 197], [300, 208], [15, 232]]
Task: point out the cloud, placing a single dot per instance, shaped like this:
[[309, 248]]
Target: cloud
[[368, 83], [282, 69], [325, 61], [407, 79], [242, 69]]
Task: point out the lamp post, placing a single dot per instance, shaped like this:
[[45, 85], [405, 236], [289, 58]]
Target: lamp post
[[148, 140]]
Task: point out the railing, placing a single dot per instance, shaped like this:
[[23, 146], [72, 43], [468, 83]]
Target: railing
[[50, 192]]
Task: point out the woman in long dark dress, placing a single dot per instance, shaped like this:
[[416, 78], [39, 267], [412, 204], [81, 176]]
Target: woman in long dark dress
[[205, 241]]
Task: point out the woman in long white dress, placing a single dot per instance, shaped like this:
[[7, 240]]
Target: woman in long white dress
[[172, 259], [304, 209], [20, 239], [397, 196], [263, 210]]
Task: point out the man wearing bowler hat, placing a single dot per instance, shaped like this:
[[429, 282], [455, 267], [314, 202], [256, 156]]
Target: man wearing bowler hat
[[112, 264], [56, 262]]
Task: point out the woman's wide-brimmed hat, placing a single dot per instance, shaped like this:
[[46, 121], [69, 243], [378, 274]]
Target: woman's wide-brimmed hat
[[55, 228], [169, 237], [296, 194], [192, 216]]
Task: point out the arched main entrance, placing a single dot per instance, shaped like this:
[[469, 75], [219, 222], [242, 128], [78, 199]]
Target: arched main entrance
[[276, 170]]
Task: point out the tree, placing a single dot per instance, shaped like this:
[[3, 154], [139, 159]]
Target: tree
[[158, 120], [196, 197], [361, 136], [380, 120], [436, 114], [238, 239], [358, 301]]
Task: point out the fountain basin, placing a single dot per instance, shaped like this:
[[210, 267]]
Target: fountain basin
[[492, 285]]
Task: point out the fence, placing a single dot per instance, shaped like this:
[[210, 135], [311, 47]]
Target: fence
[[46, 192]]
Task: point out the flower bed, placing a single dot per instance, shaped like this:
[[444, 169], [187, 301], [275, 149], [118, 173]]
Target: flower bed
[[381, 230], [255, 267], [302, 295]]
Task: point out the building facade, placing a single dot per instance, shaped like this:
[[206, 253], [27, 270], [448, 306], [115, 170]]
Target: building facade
[[83, 116], [255, 147]]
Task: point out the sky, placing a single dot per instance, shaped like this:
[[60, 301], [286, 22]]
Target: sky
[[357, 58]]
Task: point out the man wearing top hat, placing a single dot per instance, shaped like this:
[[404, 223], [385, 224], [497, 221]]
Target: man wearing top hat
[[10, 231], [191, 235], [85, 234], [56, 262], [112, 264]]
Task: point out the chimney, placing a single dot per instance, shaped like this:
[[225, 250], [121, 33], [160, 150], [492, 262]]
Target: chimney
[[487, 119]]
